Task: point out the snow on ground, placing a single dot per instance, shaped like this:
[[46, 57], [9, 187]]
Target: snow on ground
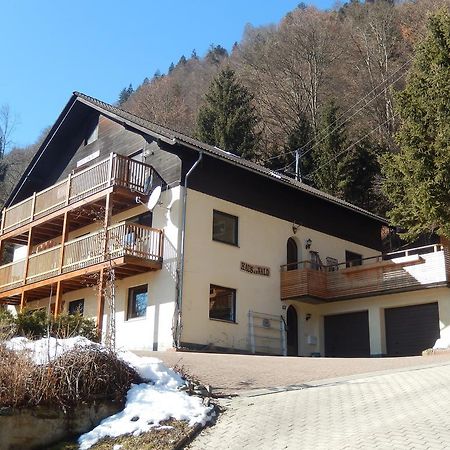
[[442, 343], [147, 404], [44, 350]]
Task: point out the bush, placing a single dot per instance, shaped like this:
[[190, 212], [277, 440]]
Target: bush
[[37, 324], [32, 324], [8, 326]]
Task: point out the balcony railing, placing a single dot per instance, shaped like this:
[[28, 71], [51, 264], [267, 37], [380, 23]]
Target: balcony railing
[[405, 270], [116, 170], [121, 240]]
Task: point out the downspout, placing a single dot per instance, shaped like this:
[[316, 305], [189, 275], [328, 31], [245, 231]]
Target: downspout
[[178, 325]]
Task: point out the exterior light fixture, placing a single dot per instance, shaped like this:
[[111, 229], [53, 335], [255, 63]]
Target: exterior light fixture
[[295, 227], [308, 316], [308, 243]]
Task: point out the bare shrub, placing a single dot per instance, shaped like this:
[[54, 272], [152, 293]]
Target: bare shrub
[[81, 375]]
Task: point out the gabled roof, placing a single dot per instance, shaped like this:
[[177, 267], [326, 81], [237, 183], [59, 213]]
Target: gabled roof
[[173, 137]]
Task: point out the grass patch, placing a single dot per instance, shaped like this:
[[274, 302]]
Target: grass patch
[[157, 439]]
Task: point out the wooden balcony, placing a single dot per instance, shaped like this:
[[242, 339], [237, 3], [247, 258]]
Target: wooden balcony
[[129, 248], [412, 269], [114, 172]]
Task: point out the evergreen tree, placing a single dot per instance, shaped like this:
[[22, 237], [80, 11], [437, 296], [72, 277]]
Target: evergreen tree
[[328, 161], [216, 54], [228, 119], [125, 94], [358, 172], [417, 178], [194, 55], [171, 67], [299, 139], [182, 61]]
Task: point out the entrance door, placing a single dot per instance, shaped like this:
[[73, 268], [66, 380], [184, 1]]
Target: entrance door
[[292, 254], [292, 332]]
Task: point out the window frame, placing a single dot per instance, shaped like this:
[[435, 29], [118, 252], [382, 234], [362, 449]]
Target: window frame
[[353, 259], [233, 310], [235, 243], [131, 295], [78, 310]]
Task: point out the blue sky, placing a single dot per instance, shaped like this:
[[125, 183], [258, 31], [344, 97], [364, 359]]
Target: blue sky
[[52, 48]]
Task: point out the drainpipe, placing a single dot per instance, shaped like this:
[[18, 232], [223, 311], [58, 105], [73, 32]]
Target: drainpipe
[[178, 324]]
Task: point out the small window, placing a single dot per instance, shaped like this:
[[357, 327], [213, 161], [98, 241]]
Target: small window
[[137, 302], [353, 259], [76, 307], [222, 303], [225, 228]]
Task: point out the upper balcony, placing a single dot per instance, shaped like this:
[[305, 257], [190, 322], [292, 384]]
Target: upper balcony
[[406, 270], [115, 172]]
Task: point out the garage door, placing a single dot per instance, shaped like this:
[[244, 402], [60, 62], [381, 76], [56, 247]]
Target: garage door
[[347, 335], [411, 329]]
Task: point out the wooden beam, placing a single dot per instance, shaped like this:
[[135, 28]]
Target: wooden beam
[[65, 233], [23, 301], [27, 260], [58, 302]]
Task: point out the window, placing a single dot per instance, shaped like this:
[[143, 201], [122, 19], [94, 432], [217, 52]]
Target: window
[[225, 228], [76, 307], [137, 302], [353, 259], [145, 218], [222, 303]]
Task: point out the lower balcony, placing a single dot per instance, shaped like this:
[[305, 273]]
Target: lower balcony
[[129, 248], [406, 270]]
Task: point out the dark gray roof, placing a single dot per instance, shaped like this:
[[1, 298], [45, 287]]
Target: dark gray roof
[[173, 137]]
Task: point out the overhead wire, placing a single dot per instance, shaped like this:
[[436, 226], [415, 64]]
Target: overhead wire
[[346, 112]]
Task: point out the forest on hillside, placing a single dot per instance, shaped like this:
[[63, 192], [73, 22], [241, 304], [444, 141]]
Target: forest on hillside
[[322, 86]]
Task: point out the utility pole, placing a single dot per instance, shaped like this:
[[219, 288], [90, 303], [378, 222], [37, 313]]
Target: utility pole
[[298, 174]]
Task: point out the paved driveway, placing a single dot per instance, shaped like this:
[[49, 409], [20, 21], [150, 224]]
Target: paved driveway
[[399, 410], [236, 373]]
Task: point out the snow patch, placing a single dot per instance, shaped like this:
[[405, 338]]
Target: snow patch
[[442, 343], [147, 404]]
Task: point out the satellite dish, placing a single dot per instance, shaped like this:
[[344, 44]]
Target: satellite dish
[[154, 198]]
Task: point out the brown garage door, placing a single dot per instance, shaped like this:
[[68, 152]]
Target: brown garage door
[[347, 335], [411, 329]]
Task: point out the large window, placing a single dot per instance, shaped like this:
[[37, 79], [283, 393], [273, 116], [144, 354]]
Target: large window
[[222, 303], [76, 307], [137, 302], [225, 228]]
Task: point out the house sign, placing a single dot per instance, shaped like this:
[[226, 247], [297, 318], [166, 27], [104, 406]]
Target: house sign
[[255, 270]]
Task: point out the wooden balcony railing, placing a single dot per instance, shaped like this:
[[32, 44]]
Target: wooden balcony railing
[[116, 170], [405, 270], [124, 239]]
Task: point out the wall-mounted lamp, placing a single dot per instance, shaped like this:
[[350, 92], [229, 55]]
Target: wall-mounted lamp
[[295, 227], [308, 316], [308, 243]]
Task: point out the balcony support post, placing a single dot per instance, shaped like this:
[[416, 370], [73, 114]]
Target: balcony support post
[[23, 301], [69, 181], [2, 226], [64, 236], [100, 302], [106, 223], [33, 207], [27, 260], [58, 301]]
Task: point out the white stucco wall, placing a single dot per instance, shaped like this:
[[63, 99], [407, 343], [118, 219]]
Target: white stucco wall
[[155, 329], [262, 241]]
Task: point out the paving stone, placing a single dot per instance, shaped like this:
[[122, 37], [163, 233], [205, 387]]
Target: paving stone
[[400, 410]]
